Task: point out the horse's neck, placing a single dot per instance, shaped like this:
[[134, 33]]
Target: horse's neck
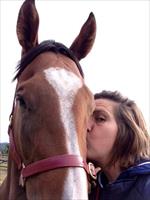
[[10, 188]]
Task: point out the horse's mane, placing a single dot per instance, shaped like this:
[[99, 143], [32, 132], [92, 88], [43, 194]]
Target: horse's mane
[[48, 45]]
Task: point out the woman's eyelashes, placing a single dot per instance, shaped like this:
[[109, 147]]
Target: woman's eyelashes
[[99, 117]]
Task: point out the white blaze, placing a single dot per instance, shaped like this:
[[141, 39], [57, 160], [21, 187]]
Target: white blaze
[[66, 84]]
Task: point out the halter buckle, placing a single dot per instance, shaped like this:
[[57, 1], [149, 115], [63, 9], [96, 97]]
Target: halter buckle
[[21, 178], [92, 171]]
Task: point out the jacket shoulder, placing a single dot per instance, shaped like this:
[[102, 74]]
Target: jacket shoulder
[[143, 184]]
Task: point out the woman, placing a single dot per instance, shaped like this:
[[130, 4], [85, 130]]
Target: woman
[[119, 143]]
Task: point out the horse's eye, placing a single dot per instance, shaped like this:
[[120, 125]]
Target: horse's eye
[[21, 101]]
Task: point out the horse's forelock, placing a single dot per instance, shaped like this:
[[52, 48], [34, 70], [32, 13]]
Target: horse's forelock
[[46, 46]]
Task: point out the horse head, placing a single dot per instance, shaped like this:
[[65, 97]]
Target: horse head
[[50, 112]]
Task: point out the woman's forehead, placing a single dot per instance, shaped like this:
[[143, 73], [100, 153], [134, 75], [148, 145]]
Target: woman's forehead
[[105, 105]]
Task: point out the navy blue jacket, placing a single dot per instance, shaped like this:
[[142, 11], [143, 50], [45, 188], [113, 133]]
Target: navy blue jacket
[[132, 184]]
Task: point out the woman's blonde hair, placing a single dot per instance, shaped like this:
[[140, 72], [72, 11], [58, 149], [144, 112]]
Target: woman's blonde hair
[[133, 141]]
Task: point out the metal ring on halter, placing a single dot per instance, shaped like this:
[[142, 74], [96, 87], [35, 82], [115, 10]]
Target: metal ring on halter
[[21, 178], [92, 170]]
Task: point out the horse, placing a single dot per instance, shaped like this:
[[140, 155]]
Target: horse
[[47, 131]]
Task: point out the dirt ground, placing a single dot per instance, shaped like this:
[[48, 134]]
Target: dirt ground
[[3, 173], [3, 168]]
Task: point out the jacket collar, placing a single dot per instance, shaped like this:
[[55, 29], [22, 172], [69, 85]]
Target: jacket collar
[[142, 167]]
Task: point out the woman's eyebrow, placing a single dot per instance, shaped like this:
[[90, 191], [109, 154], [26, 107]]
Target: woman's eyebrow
[[99, 111]]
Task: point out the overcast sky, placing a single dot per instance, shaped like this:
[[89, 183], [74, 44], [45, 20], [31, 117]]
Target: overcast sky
[[119, 59]]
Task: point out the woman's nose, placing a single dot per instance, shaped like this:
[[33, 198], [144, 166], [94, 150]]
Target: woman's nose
[[89, 125]]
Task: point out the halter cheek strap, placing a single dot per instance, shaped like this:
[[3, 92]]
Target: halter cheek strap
[[13, 151]]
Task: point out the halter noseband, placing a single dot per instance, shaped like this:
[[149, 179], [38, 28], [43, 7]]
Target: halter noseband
[[50, 163]]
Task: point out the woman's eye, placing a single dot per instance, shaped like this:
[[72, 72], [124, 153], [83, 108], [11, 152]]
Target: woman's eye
[[99, 119]]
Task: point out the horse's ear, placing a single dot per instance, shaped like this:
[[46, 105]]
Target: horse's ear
[[27, 26], [85, 40]]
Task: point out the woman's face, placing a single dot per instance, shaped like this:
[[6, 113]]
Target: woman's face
[[102, 131]]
